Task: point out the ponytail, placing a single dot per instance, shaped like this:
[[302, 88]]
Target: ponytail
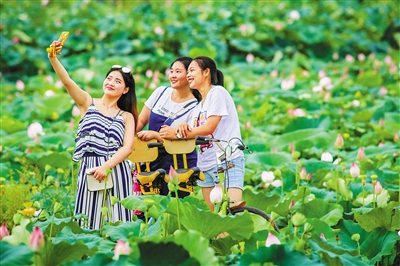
[[220, 78]]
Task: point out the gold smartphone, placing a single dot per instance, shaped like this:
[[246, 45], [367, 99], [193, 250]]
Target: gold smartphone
[[62, 39]]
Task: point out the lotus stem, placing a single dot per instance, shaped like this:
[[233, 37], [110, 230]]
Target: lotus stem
[[177, 208]]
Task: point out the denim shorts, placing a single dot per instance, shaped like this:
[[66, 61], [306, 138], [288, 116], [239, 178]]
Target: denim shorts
[[235, 175]]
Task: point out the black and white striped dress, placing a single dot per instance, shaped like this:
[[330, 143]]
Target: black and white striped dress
[[98, 136]]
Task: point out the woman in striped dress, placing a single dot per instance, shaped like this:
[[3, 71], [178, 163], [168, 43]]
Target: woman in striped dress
[[104, 139]]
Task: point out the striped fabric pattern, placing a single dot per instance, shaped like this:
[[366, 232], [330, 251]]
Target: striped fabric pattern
[[92, 143]]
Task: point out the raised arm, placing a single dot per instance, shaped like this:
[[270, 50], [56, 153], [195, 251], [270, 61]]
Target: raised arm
[[81, 97]]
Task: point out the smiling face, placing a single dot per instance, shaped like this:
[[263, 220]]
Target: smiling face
[[177, 77], [114, 84], [198, 77]]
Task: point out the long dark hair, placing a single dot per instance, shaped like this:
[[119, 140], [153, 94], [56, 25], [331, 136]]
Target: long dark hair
[[185, 60], [217, 78], [127, 102]]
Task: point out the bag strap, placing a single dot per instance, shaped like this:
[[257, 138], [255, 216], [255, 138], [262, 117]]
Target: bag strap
[[166, 87]]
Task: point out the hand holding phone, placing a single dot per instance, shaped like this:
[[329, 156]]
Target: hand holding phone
[[52, 49]]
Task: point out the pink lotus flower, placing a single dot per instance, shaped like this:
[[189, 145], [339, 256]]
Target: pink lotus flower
[[381, 123], [121, 248], [321, 74], [326, 157], [240, 108], [335, 56], [322, 236], [34, 130], [272, 240], [309, 176], [317, 88], [303, 173], [173, 176], [243, 29], [75, 111], [393, 69], [268, 178], [356, 103], [216, 195], [291, 146], [250, 58], [339, 142], [49, 79], [388, 60], [278, 26], [36, 240], [325, 81], [19, 85], [149, 73], [361, 57], [327, 96], [354, 170], [360, 154], [49, 93], [378, 188], [396, 138], [3, 231], [288, 84], [291, 205], [305, 73], [273, 150], [274, 73], [349, 58], [158, 30], [247, 125], [59, 84], [381, 144], [294, 15]]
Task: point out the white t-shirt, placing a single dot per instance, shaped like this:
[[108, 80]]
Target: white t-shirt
[[168, 108], [218, 102]]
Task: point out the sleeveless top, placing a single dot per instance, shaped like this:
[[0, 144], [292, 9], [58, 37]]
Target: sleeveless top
[[99, 134], [165, 160]]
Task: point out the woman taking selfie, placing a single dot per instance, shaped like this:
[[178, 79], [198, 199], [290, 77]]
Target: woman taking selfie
[[104, 140]]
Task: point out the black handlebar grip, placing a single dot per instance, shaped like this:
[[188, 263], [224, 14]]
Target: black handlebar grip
[[154, 144], [202, 140]]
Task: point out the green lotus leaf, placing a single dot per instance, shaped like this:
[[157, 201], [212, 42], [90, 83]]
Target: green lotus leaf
[[278, 255], [168, 253], [259, 200], [239, 226], [339, 185], [271, 159], [197, 245], [333, 254], [347, 229], [15, 255], [11, 125], [381, 217], [123, 231], [330, 213], [379, 243]]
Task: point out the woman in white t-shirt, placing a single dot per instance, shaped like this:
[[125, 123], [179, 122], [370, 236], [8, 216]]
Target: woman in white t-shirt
[[215, 116], [169, 106]]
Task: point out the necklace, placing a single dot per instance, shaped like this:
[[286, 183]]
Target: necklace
[[108, 107]]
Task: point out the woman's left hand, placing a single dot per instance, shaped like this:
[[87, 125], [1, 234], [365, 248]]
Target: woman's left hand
[[99, 173]]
